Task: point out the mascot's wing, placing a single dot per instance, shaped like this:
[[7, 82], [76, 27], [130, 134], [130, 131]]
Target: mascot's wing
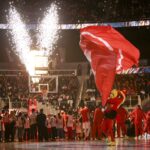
[[108, 53]]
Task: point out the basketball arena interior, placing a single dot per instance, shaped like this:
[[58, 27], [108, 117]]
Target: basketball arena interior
[[74, 74]]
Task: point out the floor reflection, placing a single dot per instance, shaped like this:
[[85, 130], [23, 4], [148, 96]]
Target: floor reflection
[[121, 144]]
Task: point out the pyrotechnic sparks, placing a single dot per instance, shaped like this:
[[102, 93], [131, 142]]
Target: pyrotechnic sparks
[[20, 37], [48, 29], [48, 34]]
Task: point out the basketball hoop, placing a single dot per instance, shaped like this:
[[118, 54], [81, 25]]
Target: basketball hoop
[[44, 90], [44, 94]]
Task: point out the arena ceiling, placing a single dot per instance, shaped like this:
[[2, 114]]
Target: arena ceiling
[[81, 11]]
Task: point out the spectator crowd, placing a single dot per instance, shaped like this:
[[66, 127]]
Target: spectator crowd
[[16, 88], [81, 124], [84, 11], [103, 11], [133, 84]]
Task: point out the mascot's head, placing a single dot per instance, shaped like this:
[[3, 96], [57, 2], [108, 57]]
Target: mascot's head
[[114, 93]]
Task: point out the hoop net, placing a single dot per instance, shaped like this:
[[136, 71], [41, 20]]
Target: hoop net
[[44, 93]]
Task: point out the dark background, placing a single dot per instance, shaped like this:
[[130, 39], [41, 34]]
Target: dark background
[[69, 41], [80, 11], [140, 37]]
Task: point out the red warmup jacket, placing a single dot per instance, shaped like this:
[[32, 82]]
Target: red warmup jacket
[[98, 115], [122, 115], [148, 116], [116, 102], [85, 114], [147, 123], [138, 115]]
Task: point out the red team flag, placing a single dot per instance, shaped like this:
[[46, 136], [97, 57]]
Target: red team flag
[[108, 53]]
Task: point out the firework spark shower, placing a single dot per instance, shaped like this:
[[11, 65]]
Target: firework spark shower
[[48, 31], [46, 37], [20, 37]]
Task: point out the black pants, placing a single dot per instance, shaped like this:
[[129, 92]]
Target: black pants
[[20, 133], [12, 131], [33, 131], [0, 136], [27, 134], [7, 132], [54, 133], [42, 133]]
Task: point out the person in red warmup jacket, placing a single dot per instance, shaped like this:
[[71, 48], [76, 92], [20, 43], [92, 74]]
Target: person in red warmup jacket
[[138, 117], [110, 114], [85, 114], [147, 123], [97, 121], [121, 117]]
